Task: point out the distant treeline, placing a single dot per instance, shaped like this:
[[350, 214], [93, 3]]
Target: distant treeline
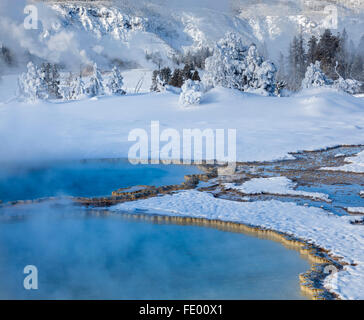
[[337, 54]]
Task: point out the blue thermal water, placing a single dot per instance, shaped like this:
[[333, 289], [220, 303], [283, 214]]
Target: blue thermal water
[[83, 178], [83, 256]]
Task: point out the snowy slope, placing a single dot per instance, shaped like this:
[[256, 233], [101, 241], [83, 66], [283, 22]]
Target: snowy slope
[[79, 32], [267, 128]]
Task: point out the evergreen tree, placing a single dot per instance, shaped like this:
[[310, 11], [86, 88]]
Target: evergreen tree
[[297, 62], [226, 66], [195, 76], [311, 52], [165, 75], [50, 76], [315, 77], [96, 87], [160, 79], [77, 88], [342, 56], [326, 53], [235, 66], [177, 78], [357, 69], [6, 55], [31, 84], [187, 71], [116, 82], [281, 73]]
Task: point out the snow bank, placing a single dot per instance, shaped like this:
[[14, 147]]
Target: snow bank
[[355, 209], [274, 185], [317, 226], [267, 128], [356, 164]]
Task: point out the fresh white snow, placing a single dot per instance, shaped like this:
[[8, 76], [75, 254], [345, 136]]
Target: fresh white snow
[[355, 209], [274, 185], [355, 164], [317, 226], [267, 128]]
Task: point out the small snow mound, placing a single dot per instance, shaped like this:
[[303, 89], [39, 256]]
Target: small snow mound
[[355, 210], [192, 92], [274, 185], [356, 164]]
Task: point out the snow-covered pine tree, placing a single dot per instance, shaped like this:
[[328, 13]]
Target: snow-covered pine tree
[[225, 67], [50, 76], [95, 87], [158, 85], [177, 78], [77, 88], [187, 71], [297, 63], [192, 92], [357, 68], [315, 77], [31, 85], [311, 51], [160, 79], [266, 84], [235, 66], [350, 86], [281, 72], [116, 83]]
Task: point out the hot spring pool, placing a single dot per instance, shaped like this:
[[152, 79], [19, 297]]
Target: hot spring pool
[[83, 178], [82, 255]]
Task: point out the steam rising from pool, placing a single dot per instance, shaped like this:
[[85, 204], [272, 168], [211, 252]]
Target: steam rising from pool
[[83, 256], [80, 254], [83, 178]]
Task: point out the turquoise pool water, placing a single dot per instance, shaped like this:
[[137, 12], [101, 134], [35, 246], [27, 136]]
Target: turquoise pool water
[[83, 178], [83, 256]]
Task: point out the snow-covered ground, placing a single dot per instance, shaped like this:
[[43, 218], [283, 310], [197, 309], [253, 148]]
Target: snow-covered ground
[[355, 209], [317, 226], [274, 185], [267, 128], [355, 164]]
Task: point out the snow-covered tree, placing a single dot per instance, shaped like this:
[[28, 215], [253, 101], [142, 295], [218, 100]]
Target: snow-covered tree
[[50, 76], [192, 92], [350, 86], [235, 66], [31, 84], [116, 83], [259, 75], [95, 87], [158, 84], [266, 83], [77, 89], [226, 65], [315, 77]]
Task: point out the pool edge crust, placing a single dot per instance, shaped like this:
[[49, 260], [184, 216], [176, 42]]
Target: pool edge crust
[[311, 282]]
